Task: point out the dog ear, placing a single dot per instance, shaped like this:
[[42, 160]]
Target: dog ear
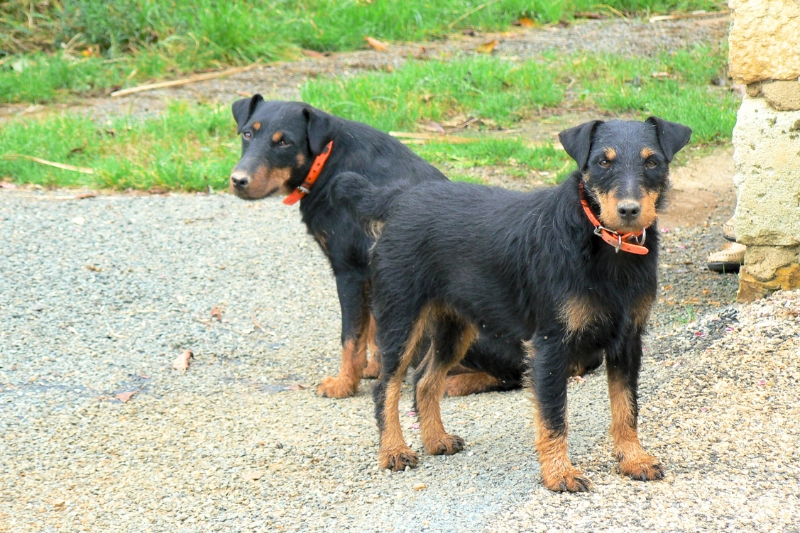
[[578, 140], [243, 109], [321, 128], [671, 136]]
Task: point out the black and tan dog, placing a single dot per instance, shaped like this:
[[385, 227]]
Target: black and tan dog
[[572, 270], [292, 148]]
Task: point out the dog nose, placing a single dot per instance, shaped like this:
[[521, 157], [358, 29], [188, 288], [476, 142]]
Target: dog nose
[[239, 179], [629, 210]]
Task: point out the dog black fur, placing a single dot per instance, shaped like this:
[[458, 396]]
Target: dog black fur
[[280, 141], [458, 262]]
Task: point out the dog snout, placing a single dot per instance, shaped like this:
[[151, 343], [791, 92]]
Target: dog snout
[[239, 179], [629, 210]]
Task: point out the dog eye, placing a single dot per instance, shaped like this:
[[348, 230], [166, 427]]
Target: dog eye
[[651, 164], [283, 142], [247, 135], [605, 163]]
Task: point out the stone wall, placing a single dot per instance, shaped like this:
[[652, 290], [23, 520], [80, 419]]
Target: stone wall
[[765, 55]]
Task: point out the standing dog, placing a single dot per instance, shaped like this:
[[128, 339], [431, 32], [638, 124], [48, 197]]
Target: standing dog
[[292, 148], [571, 270]]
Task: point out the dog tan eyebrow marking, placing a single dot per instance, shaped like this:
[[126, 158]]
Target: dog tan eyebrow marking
[[611, 154], [647, 152], [277, 136], [256, 126]]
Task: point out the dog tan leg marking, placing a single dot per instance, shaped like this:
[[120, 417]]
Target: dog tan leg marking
[[470, 383], [429, 393], [633, 460], [558, 474], [354, 358], [394, 452], [373, 369]]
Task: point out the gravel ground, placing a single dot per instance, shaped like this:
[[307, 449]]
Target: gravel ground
[[100, 295]]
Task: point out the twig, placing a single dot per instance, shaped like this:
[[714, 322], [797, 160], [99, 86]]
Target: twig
[[421, 138], [62, 166], [468, 13], [659, 18], [184, 81]]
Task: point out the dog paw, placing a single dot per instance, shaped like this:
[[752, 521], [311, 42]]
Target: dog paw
[[568, 480], [642, 467], [336, 388], [445, 445], [398, 459], [373, 369]]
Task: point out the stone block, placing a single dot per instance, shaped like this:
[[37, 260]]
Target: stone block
[[767, 158], [764, 40], [782, 95]]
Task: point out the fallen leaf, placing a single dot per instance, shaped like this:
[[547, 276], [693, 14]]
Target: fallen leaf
[[125, 396], [298, 386], [216, 313], [94, 268], [253, 476], [60, 505], [434, 127], [414, 426], [660, 75], [420, 486], [313, 54], [376, 44], [525, 22], [182, 361], [486, 48], [85, 195], [7, 185], [588, 15]]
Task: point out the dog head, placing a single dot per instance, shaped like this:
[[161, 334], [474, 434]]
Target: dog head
[[625, 167], [279, 143]]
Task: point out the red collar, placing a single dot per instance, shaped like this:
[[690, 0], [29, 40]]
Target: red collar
[[620, 241], [313, 174]]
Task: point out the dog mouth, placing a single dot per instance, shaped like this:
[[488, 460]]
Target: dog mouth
[[627, 215], [246, 194]]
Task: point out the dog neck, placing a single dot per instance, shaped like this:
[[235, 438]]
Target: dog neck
[[313, 174], [620, 241]]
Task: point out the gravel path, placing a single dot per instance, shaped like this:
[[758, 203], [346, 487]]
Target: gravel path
[[100, 295]]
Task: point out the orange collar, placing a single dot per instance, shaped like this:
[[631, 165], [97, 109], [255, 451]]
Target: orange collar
[[313, 174], [620, 241]]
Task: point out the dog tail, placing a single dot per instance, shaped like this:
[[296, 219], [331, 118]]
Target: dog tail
[[363, 200]]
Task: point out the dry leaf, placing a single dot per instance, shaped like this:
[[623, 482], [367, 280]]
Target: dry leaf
[[84, 196], [299, 386], [525, 22], [660, 75], [313, 54], [420, 486], [182, 361], [434, 127], [376, 44], [486, 48], [125, 396], [253, 476], [7, 185], [216, 313], [94, 268]]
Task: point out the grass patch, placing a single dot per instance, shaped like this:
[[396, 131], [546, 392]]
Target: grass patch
[[80, 46], [435, 90], [194, 147], [188, 148]]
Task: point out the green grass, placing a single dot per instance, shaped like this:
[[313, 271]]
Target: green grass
[[90, 46], [193, 147], [188, 148]]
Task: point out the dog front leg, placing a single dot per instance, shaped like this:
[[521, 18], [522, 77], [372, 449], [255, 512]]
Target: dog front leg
[[549, 363], [623, 381], [355, 326]]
